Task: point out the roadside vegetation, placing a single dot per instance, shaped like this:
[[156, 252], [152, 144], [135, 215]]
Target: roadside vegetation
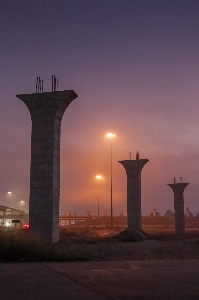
[[19, 246], [98, 243]]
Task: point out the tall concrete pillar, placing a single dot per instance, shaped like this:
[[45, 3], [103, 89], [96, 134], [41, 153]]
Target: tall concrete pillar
[[133, 170], [46, 111], [178, 190]]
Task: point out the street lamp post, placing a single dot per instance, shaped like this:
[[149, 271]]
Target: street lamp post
[[22, 203], [99, 177], [8, 202], [111, 136]]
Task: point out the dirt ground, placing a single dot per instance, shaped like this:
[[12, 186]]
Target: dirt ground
[[101, 244]]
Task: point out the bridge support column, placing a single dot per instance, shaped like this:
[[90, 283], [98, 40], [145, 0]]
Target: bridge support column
[[133, 170], [46, 111], [178, 190]]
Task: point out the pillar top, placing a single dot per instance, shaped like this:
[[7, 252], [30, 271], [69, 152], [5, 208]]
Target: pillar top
[[133, 165], [38, 103], [58, 95], [178, 186]]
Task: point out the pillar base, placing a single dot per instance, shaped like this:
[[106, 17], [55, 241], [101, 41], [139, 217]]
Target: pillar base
[[132, 235]]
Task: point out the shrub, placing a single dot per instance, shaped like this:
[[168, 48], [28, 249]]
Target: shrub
[[22, 246]]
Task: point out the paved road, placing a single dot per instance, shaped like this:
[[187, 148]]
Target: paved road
[[118, 280]]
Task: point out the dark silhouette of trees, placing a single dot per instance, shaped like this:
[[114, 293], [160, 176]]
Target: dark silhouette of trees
[[169, 213]]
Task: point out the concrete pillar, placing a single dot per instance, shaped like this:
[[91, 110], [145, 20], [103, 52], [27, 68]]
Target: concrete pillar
[[178, 190], [133, 170], [46, 111]]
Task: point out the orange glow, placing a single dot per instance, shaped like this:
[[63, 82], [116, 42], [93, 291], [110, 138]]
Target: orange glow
[[98, 177]]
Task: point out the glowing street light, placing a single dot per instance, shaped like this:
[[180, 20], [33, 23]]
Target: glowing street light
[[111, 136], [98, 177], [8, 198]]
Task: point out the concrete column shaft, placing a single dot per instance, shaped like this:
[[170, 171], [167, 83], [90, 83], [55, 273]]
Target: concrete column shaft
[[178, 190], [45, 173], [134, 213], [179, 214]]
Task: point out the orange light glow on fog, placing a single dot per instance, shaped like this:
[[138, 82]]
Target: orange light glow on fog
[[110, 135]]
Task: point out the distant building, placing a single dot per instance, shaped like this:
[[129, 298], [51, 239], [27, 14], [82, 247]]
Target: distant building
[[12, 218]]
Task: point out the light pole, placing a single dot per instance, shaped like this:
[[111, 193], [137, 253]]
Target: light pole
[[8, 202], [111, 136], [99, 177], [22, 203]]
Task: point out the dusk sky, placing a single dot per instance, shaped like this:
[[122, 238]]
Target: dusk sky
[[135, 68]]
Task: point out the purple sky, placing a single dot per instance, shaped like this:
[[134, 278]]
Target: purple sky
[[135, 68]]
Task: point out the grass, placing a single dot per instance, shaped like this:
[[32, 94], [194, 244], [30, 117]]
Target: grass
[[88, 244], [20, 246]]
